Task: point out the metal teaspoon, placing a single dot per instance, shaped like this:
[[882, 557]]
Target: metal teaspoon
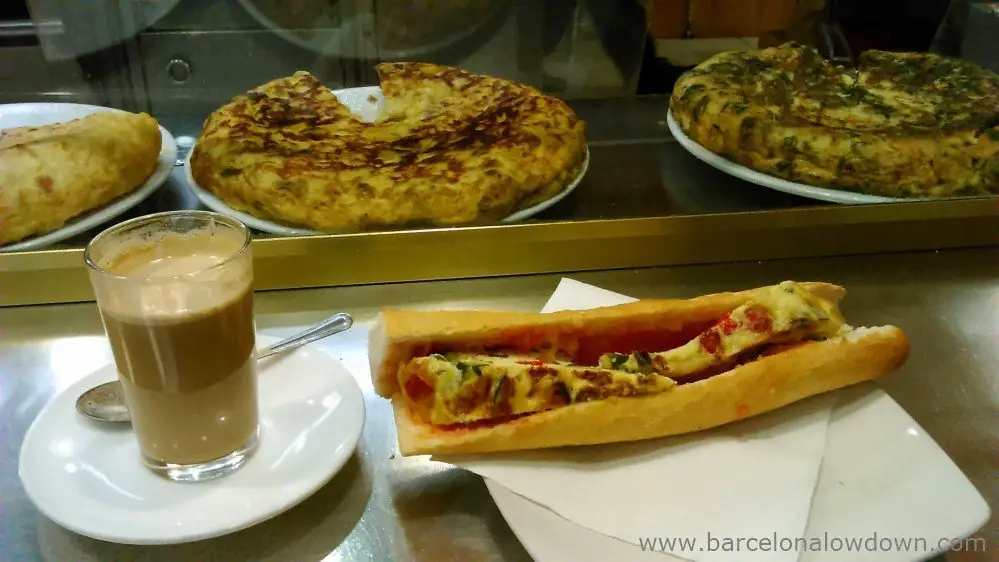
[[106, 402]]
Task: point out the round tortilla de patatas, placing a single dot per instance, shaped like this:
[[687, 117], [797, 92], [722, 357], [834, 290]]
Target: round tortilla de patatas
[[901, 125], [449, 148]]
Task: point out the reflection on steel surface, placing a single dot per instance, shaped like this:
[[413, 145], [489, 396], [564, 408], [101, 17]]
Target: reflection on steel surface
[[69, 358], [382, 506]]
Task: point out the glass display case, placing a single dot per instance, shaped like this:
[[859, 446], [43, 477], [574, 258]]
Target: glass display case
[[614, 63], [473, 155]]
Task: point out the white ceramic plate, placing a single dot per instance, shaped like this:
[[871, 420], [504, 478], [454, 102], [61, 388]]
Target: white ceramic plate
[[794, 188], [38, 114], [365, 102], [881, 474], [87, 476]]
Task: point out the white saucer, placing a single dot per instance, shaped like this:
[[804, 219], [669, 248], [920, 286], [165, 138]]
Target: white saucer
[[366, 103], [87, 476], [39, 114]]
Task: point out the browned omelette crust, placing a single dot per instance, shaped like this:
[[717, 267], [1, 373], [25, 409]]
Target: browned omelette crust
[[901, 125], [450, 148]]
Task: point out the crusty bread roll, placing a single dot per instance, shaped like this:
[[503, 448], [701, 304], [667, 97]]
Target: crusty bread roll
[[753, 388], [49, 175]]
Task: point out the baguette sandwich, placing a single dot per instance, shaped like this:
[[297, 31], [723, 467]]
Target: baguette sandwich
[[475, 382]]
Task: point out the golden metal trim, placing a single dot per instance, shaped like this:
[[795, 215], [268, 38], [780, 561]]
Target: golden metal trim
[[57, 276]]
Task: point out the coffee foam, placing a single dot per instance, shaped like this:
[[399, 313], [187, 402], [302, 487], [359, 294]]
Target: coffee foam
[[171, 276]]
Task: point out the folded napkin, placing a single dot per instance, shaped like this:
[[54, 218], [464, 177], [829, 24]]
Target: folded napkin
[[750, 479]]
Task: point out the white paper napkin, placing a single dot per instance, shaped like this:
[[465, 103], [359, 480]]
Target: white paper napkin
[[752, 479]]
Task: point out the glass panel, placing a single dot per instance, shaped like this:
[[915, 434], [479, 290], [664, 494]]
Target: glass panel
[[615, 62]]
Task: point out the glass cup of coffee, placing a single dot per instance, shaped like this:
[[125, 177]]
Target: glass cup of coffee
[[175, 292]]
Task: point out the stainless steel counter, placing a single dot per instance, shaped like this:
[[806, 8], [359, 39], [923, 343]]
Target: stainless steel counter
[[382, 506]]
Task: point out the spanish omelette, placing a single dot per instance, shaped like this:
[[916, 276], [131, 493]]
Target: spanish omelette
[[53, 173], [900, 125], [449, 148]]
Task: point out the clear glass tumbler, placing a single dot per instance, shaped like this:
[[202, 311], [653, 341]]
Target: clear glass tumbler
[[175, 291]]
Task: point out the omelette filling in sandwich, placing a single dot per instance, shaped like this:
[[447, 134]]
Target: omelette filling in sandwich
[[464, 387]]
